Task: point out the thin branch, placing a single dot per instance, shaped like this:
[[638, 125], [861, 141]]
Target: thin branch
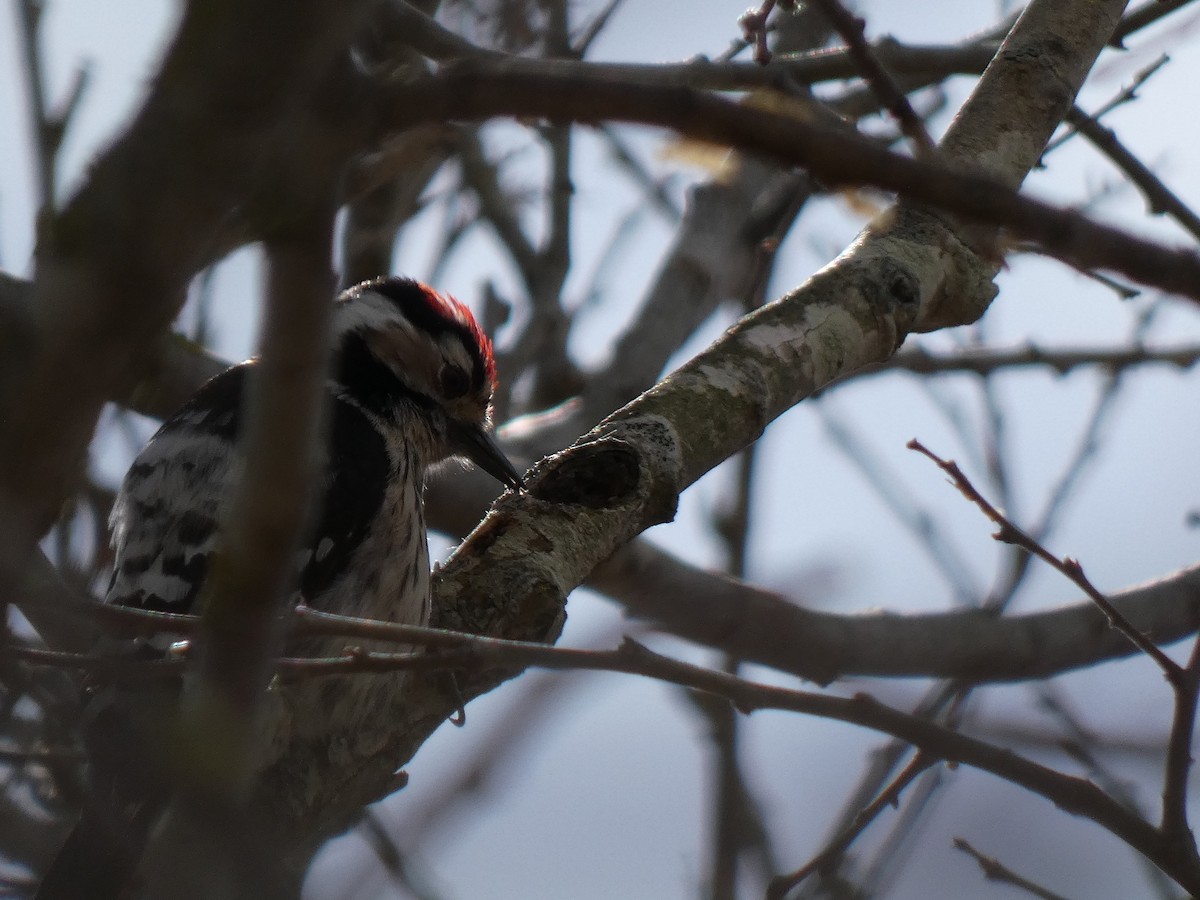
[[1160, 198], [994, 870], [107, 668], [884, 760], [836, 848], [1011, 534], [878, 875], [428, 36], [1126, 95], [988, 360], [922, 526], [1071, 794], [1179, 759], [754, 25], [572, 92], [1074, 795], [583, 43], [1084, 745], [994, 439], [1146, 14], [934, 61], [761, 626], [477, 652], [497, 206], [555, 375], [875, 73], [1070, 477], [653, 189], [730, 826], [45, 148]]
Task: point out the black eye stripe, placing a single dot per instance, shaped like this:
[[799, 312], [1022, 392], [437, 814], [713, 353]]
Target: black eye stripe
[[455, 382]]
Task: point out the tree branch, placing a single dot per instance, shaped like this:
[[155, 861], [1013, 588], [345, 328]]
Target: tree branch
[[971, 645], [511, 577], [191, 854]]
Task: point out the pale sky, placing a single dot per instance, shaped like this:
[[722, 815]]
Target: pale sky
[[610, 799]]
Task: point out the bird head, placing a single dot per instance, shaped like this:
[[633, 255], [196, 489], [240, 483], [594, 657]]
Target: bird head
[[402, 345]]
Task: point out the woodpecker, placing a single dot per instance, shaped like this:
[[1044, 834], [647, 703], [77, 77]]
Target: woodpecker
[[410, 387]]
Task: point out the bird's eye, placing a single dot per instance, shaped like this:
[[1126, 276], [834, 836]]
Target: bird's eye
[[455, 382]]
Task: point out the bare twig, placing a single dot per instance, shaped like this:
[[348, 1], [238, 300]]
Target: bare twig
[[754, 25], [475, 652], [102, 667], [916, 519], [1010, 534], [426, 35], [497, 206], [48, 128], [995, 434], [769, 628], [583, 43], [655, 190], [1178, 764], [975, 645], [731, 828], [1127, 94], [1070, 477], [1160, 198], [919, 802], [1084, 745], [934, 60], [990, 359], [555, 376], [479, 90], [1072, 794], [836, 848], [1146, 14], [994, 870], [853, 32]]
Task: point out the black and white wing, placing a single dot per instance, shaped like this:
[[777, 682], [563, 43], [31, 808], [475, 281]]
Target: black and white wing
[[164, 520]]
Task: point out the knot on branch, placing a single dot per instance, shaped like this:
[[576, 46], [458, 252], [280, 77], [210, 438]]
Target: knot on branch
[[655, 445], [925, 249], [597, 475]]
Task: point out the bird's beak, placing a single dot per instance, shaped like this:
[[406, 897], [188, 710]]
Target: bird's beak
[[481, 448]]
